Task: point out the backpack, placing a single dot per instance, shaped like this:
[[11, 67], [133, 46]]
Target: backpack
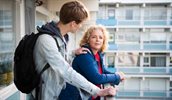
[[26, 77]]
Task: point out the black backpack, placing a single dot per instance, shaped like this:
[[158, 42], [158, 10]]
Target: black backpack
[[26, 78]]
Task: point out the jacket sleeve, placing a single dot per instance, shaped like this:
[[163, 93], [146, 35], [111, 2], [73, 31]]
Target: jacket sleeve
[[88, 67], [105, 71], [61, 67]]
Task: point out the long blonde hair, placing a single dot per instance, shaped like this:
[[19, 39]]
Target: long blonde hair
[[88, 32]]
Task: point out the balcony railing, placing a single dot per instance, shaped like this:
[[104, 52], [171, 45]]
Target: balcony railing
[[129, 22], [128, 94], [155, 22], [112, 47], [144, 93], [128, 46], [170, 46], [137, 46], [154, 46], [144, 70], [107, 22], [133, 22]]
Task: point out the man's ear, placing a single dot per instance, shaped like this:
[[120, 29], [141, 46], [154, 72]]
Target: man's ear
[[72, 23]]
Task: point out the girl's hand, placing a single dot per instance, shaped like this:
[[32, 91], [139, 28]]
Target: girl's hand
[[122, 75]]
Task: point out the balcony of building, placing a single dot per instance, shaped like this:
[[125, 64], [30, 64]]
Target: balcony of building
[[157, 64], [144, 94], [140, 47], [114, 23], [142, 70]]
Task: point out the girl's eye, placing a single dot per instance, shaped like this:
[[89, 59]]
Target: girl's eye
[[93, 36], [100, 37]]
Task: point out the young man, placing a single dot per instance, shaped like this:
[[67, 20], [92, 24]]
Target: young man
[[72, 14]]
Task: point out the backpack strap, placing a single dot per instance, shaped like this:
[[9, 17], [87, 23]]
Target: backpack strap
[[38, 88], [58, 46], [45, 67]]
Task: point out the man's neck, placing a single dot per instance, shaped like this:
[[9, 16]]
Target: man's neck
[[63, 28]]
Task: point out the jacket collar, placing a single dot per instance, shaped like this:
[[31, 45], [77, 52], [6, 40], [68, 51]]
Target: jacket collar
[[91, 52]]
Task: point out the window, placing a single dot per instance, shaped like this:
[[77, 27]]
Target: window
[[7, 41], [157, 59], [101, 14], [129, 14], [111, 61], [111, 38], [158, 37], [155, 13], [132, 37], [170, 61], [154, 37], [171, 84], [111, 13], [128, 37], [146, 61], [128, 59], [170, 38], [171, 14]]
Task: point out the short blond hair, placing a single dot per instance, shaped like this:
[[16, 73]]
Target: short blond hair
[[88, 32]]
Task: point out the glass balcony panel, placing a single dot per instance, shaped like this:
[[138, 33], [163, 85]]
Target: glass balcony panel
[[15, 96], [154, 46], [125, 69], [154, 70], [128, 94], [128, 47], [150, 70], [112, 47], [107, 22], [170, 46], [137, 93], [170, 70], [155, 22], [128, 22], [129, 69], [154, 93]]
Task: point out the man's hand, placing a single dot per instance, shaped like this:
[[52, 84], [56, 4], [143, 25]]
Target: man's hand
[[81, 50], [109, 91]]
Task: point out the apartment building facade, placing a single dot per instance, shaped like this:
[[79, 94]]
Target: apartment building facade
[[140, 45]]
